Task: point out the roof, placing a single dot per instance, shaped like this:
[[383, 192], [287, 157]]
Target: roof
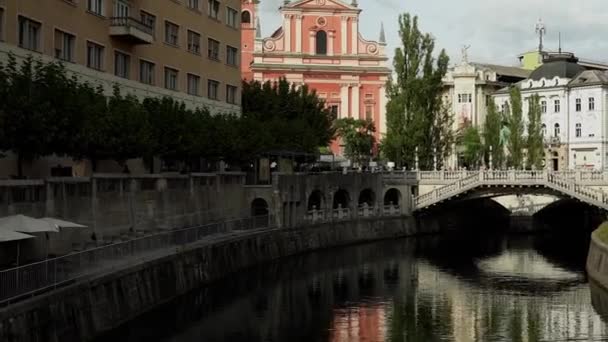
[[590, 77], [558, 65], [505, 70]]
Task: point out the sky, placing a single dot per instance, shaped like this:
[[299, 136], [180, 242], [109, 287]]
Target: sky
[[496, 30]]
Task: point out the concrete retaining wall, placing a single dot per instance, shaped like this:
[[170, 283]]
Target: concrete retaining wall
[[82, 311], [597, 261]]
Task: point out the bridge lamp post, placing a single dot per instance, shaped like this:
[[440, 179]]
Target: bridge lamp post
[[416, 158], [434, 159]]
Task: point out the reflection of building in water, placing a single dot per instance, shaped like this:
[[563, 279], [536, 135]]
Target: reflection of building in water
[[481, 309], [359, 324]]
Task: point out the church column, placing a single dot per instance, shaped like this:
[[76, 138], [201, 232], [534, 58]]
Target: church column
[[382, 114], [355, 35], [344, 36], [287, 30], [330, 43], [355, 101], [311, 42], [298, 33], [344, 101]]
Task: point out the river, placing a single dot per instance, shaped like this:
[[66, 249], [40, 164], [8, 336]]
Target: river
[[458, 287]]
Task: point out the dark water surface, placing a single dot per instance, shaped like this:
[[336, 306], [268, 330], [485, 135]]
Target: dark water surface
[[465, 288]]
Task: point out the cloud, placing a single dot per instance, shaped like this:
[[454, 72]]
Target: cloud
[[497, 30]]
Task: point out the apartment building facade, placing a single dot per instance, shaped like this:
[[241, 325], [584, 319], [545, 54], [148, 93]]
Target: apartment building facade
[[185, 49]]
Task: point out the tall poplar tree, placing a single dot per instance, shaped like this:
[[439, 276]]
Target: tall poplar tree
[[415, 113], [535, 136], [516, 125], [491, 135]]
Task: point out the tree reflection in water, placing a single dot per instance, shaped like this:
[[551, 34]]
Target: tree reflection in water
[[427, 289]]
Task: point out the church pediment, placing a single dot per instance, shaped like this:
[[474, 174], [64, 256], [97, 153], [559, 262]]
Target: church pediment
[[329, 4]]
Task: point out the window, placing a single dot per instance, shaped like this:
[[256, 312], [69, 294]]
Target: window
[[465, 98], [64, 46], [146, 72], [95, 6], [213, 51], [194, 42], [193, 84], [121, 9], [578, 105], [29, 34], [148, 19], [1, 24], [246, 17], [94, 56], [214, 9], [579, 130], [591, 103], [232, 55], [194, 4], [334, 109], [369, 112], [556, 105], [231, 94], [171, 76], [543, 130], [232, 17], [321, 39], [171, 33], [121, 64], [213, 89], [543, 106], [556, 130]]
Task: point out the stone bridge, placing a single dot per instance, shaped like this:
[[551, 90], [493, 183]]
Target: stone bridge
[[587, 187]]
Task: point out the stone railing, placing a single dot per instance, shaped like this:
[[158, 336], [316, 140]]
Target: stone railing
[[587, 177], [345, 214], [554, 180]]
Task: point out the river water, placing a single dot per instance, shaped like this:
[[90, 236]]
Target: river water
[[449, 288]]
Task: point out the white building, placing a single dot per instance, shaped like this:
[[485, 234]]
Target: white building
[[573, 106]]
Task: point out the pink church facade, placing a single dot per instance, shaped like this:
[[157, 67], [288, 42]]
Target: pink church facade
[[319, 44]]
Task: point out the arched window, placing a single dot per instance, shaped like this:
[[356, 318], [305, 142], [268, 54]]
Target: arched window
[[321, 43], [543, 130], [246, 17], [556, 130]]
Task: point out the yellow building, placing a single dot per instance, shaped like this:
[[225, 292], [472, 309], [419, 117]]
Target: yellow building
[[185, 49]]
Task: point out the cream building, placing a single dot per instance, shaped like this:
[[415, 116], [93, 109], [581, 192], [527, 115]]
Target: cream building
[[185, 49]]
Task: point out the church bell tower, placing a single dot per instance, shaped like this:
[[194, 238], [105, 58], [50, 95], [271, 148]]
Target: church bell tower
[[250, 30]]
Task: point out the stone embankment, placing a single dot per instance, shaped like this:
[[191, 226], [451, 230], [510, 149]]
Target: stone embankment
[[82, 311], [597, 259]]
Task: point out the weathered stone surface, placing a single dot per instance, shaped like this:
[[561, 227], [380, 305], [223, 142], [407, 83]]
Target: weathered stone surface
[[82, 311]]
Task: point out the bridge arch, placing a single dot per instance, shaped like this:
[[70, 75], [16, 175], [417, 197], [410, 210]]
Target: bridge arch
[[367, 196], [316, 200], [392, 196], [259, 212], [341, 199]]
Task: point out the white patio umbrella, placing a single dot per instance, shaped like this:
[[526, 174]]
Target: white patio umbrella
[[7, 236], [61, 223], [26, 224]]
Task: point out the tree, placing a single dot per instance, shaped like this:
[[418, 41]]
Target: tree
[[491, 135], [534, 144], [470, 140], [415, 114], [516, 124], [358, 137]]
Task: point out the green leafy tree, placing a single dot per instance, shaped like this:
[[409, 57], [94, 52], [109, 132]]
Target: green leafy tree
[[516, 124], [472, 147], [534, 144], [415, 113], [358, 138], [491, 135]]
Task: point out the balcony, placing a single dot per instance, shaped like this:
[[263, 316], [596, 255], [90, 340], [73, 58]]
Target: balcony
[[131, 30]]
